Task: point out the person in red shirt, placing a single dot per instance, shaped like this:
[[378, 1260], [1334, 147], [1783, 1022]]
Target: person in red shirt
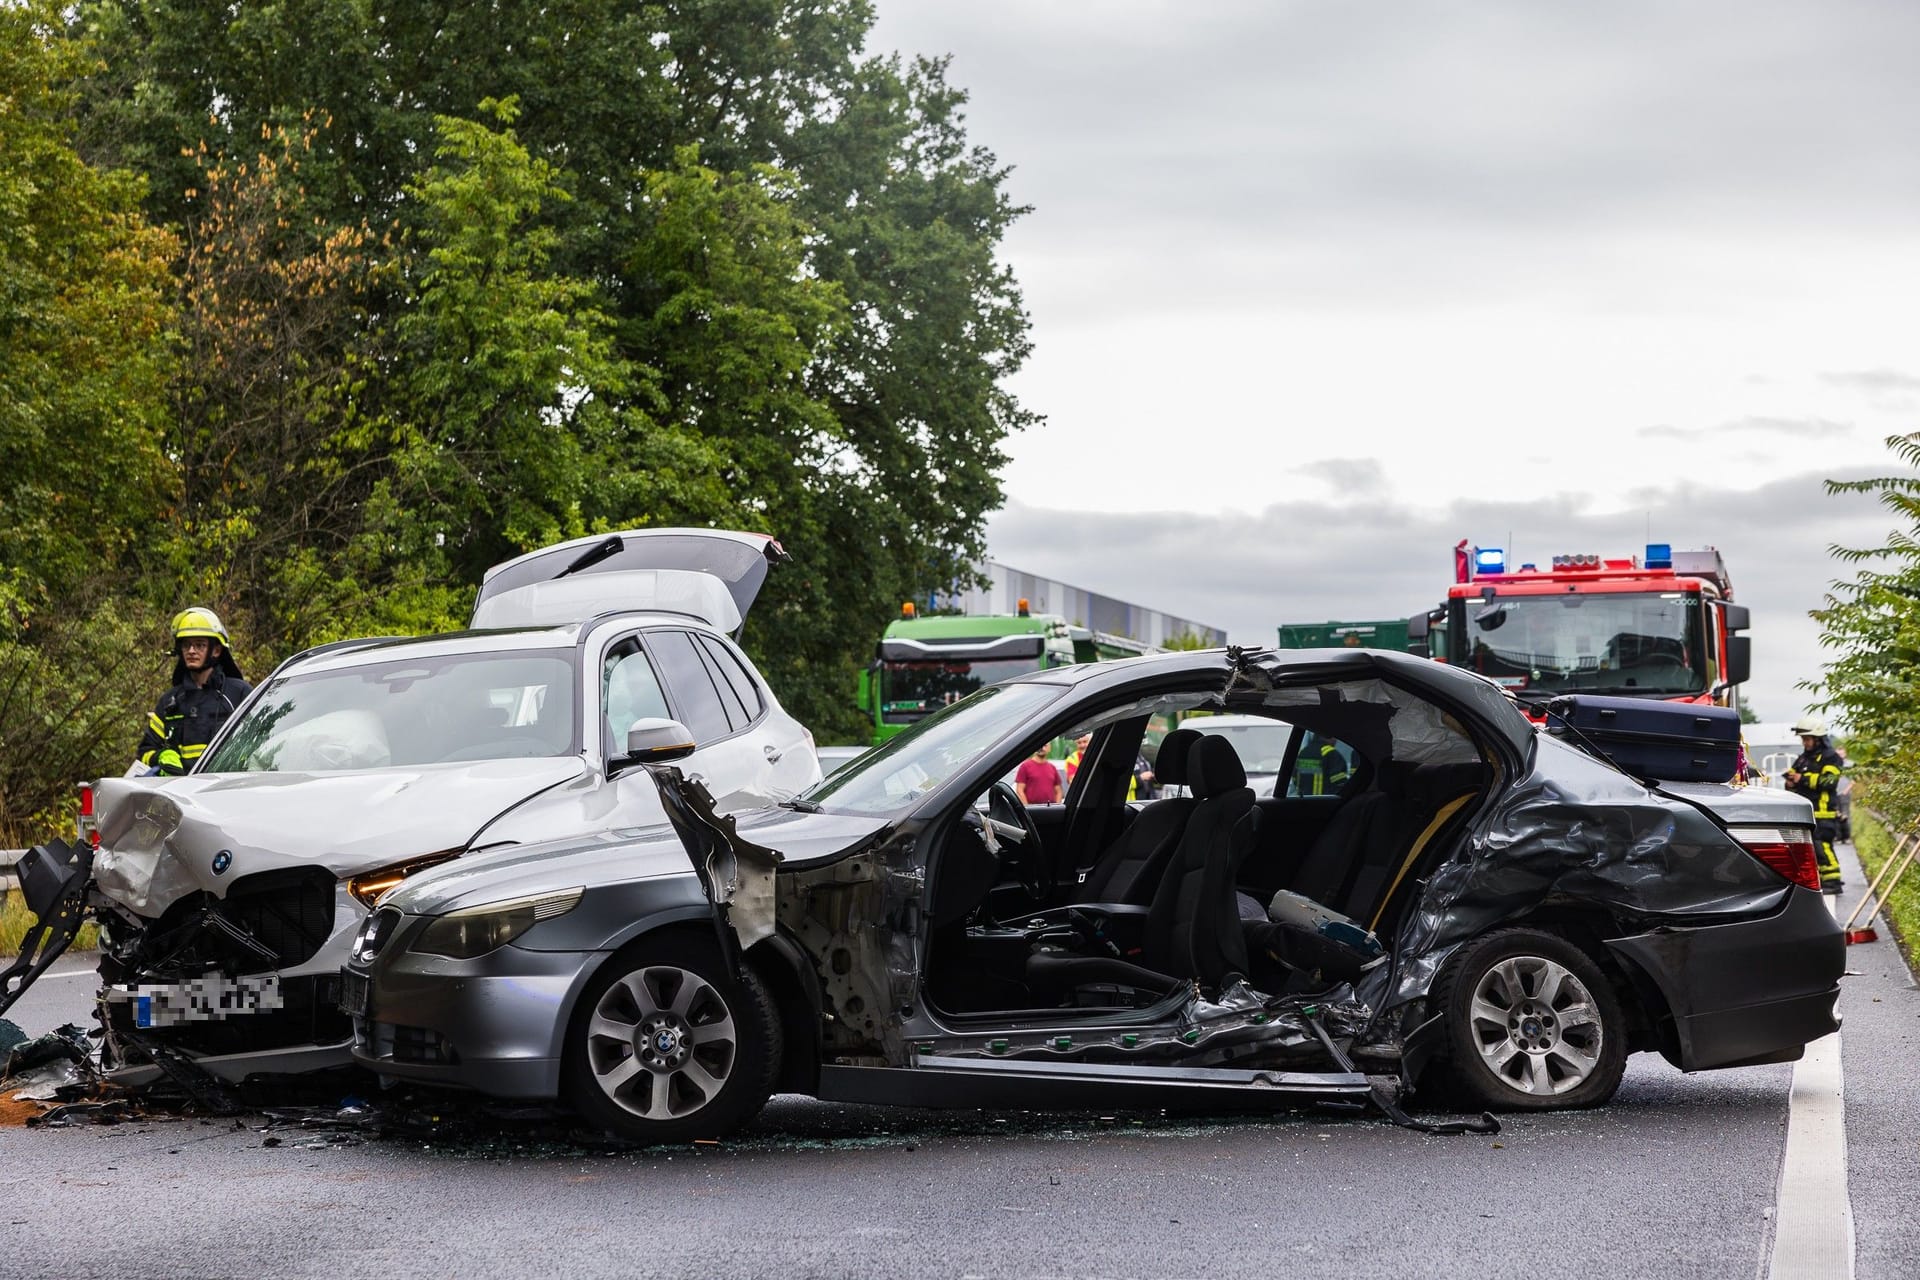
[[1036, 781]]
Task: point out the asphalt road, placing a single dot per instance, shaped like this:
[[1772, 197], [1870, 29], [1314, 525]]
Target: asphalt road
[[1678, 1176]]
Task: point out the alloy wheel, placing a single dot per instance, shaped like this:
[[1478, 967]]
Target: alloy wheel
[[1536, 1025], [661, 1043]]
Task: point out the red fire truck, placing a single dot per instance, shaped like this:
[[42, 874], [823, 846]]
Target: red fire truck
[[1659, 626]]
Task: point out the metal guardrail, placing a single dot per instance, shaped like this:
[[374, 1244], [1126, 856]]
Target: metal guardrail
[[9, 858]]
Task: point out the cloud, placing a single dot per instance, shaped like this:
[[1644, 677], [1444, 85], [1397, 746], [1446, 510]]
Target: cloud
[[1873, 381], [1803, 427], [1346, 476], [1306, 560]]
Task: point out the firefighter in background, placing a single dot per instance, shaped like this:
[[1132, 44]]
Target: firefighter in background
[[1816, 775], [207, 686], [1321, 768]]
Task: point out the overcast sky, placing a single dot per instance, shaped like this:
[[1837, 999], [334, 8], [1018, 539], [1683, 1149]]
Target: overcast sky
[[1319, 289]]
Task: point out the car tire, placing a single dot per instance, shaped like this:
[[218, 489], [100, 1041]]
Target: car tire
[[1529, 1023], [666, 1045]]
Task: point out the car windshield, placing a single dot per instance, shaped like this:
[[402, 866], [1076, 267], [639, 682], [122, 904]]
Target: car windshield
[[410, 711], [910, 691], [1262, 748], [922, 758], [1629, 642]]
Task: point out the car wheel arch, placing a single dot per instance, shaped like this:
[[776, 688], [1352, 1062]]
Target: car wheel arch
[[782, 965], [1649, 1016], [749, 1073], [778, 962], [1465, 1078]]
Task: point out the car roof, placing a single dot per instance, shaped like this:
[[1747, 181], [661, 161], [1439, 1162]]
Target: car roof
[[499, 640], [1423, 675]]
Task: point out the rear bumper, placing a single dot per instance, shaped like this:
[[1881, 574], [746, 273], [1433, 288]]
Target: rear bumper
[[1745, 992]]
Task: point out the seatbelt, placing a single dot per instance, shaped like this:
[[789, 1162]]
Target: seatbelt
[[1447, 810]]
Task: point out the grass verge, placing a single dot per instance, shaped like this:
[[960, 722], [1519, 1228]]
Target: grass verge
[[15, 920], [1901, 914]]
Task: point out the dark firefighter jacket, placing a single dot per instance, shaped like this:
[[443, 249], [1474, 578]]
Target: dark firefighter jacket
[[188, 716], [1321, 769], [1819, 771]]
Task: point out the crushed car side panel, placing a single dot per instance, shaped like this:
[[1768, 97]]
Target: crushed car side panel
[[1575, 833]]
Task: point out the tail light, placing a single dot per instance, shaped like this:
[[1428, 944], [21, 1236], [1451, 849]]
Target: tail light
[[86, 825], [1788, 850]]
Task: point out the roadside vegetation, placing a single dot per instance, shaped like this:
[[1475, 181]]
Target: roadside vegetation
[[1874, 843], [1871, 624], [15, 919], [310, 313]]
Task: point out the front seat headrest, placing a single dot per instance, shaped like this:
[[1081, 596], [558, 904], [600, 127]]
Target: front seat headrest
[[1170, 762], [1213, 767]]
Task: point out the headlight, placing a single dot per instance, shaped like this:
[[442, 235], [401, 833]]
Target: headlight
[[474, 931], [369, 885]]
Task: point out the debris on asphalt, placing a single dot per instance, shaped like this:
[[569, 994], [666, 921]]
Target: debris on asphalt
[[56, 1067]]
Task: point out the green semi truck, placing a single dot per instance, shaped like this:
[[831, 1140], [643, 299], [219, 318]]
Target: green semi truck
[[924, 663], [1390, 634]]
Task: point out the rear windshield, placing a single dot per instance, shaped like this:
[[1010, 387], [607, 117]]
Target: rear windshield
[[494, 706]]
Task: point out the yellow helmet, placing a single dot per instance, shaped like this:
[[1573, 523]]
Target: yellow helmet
[[198, 621]]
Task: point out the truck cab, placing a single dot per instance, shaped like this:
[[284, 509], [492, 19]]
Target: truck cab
[[1661, 627]]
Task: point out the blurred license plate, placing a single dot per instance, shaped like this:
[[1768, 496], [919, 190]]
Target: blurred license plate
[[212, 998], [353, 995]]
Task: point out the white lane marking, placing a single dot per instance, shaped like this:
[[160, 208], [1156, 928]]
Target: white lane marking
[[1813, 1215]]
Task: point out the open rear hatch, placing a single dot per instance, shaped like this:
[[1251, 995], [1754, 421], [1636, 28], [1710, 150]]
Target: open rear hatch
[[710, 574]]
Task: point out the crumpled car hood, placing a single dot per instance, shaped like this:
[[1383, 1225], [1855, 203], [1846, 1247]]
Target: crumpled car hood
[[612, 857], [164, 838]]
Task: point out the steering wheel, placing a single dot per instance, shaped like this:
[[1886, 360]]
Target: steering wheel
[[1027, 859]]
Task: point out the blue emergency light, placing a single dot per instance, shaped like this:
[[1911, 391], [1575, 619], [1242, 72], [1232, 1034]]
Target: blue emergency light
[[1489, 560], [1659, 555]]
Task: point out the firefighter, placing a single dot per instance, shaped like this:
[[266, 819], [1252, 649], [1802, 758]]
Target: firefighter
[[207, 686], [1321, 769], [1816, 775]]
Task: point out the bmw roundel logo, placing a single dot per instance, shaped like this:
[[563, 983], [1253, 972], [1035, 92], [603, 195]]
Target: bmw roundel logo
[[221, 861]]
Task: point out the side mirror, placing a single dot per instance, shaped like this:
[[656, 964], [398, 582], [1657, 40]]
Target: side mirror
[[1737, 616], [655, 741], [1418, 627], [1739, 666]]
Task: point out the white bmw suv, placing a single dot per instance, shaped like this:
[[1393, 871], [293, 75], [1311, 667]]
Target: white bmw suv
[[230, 896]]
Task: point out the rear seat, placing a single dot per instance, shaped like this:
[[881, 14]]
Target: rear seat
[[1364, 852]]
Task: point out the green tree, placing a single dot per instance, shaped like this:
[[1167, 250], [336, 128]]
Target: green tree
[[275, 439], [847, 393], [503, 365], [84, 321], [84, 479], [1871, 623]]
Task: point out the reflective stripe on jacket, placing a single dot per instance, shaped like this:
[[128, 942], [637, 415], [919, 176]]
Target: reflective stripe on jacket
[[186, 719]]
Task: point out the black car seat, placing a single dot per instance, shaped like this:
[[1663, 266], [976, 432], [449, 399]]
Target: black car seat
[[1131, 868], [1362, 837], [1192, 927], [1432, 796], [1359, 863]]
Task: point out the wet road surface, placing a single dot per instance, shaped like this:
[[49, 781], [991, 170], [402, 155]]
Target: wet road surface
[[1678, 1176]]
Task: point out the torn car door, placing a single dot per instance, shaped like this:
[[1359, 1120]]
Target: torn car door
[[736, 874]]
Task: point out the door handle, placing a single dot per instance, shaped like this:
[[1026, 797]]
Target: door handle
[[773, 753]]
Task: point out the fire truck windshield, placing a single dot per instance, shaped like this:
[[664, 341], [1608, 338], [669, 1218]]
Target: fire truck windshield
[[1625, 642], [911, 690]]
